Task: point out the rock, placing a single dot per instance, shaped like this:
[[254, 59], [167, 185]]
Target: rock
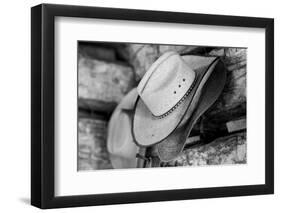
[[231, 149], [92, 151], [103, 81]]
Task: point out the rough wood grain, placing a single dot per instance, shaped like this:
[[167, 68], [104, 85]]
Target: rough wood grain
[[231, 149], [95, 51], [92, 152], [142, 56], [103, 81]]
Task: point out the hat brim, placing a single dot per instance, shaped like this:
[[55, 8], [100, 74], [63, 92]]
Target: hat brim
[[170, 148], [120, 162], [149, 130], [122, 150]]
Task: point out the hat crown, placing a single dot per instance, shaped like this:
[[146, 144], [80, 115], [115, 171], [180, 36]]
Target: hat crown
[[166, 82]]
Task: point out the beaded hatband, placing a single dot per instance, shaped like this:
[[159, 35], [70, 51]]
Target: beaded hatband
[[179, 102]]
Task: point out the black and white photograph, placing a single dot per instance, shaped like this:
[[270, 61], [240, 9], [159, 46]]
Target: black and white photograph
[[142, 105], [160, 105]]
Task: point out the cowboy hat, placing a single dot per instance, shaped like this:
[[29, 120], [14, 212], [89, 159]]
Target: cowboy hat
[[122, 150], [173, 94]]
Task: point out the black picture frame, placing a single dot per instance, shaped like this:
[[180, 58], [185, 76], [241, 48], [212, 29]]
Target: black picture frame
[[43, 105]]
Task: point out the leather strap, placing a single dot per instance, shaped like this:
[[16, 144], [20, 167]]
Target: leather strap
[[141, 157]]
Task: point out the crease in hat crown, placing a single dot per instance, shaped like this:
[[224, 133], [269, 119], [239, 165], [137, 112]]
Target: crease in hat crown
[[165, 83]]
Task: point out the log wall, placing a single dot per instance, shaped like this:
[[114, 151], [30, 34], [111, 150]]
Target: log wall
[[107, 73]]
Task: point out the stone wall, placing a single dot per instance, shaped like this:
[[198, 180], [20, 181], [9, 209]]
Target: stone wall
[[106, 73]]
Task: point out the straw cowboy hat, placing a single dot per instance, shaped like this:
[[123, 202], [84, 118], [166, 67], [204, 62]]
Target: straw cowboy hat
[[122, 150], [173, 94]]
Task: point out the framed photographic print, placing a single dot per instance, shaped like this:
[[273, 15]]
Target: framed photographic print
[[139, 106]]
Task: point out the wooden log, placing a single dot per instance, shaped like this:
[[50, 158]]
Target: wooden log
[[92, 151], [142, 56], [234, 94], [236, 125], [180, 49], [231, 149], [96, 51], [103, 81], [83, 113]]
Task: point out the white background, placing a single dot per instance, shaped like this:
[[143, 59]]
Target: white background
[[15, 106]]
